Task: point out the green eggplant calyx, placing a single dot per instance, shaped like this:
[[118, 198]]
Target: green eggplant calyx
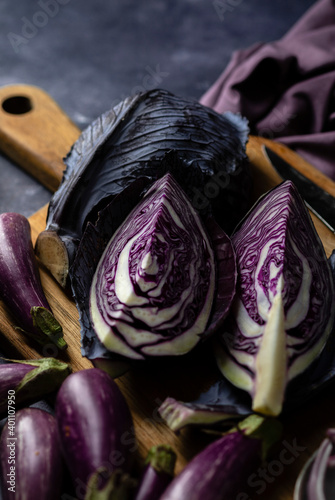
[[50, 329], [267, 429], [119, 485], [46, 376], [162, 458]]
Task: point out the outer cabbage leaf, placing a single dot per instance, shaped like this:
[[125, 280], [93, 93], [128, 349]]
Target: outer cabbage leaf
[[283, 311], [154, 288], [147, 135]]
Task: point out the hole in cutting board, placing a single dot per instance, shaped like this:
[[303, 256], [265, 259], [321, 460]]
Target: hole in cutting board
[[17, 105]]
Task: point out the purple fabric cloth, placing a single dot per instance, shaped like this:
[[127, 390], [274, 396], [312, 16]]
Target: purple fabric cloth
[[286, 88]]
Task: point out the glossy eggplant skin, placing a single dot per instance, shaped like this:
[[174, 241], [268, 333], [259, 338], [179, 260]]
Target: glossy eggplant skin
[[148, 135], [30, 455], [219, 471], [20, 283], [94, 424], [153, 484], [158, 473]]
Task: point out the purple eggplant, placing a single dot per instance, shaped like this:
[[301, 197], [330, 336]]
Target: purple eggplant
[[221, 470], [95, 426], [158, 473], [30, 380], [20, 284], [30, 455]]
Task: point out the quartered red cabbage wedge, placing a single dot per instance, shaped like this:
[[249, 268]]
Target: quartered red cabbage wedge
[[147, 135], [153, 290], [162, 283], [283, 311], [224, 402], [91, 248]]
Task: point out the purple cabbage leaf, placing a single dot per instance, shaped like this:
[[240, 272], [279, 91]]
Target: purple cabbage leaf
[[217, 408]]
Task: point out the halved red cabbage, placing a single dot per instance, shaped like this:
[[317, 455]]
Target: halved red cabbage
[[283, 311], [153, 290]]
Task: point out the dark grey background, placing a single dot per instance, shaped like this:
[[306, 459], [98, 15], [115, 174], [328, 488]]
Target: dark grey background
[[88, 55]]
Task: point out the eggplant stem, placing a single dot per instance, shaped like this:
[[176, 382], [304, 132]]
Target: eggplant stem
[[162, 458], [49, 327], [118, 487]]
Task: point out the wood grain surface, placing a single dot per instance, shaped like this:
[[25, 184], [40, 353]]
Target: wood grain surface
[[38, 140]]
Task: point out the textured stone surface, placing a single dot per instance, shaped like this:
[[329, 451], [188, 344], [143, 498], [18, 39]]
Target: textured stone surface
[[88, 55]]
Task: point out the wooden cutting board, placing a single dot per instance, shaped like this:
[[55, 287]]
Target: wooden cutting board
[[37, 134]]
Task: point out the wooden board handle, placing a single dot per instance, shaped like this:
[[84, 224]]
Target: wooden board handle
[[265, 177], [35, 132]]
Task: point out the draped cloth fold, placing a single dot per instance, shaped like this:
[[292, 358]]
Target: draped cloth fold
[[286, 88]]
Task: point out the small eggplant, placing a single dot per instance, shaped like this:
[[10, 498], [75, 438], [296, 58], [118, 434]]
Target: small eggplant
[[158, 473], [221, 469], [30, 380], [20, 285], [30, 456], [95, 427]]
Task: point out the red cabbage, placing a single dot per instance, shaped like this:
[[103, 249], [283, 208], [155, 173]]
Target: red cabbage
[[154, 288], [147, 135], [283, 311]]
